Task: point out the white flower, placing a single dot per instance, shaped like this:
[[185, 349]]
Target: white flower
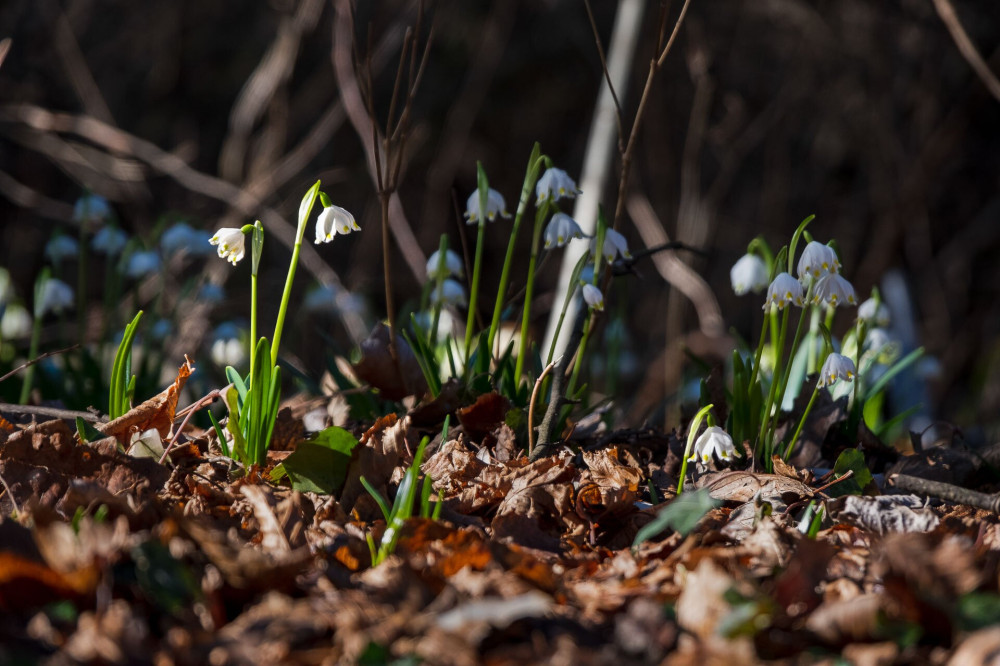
[[61, 247], [56, 296], [142, 263], [817, 260], [15, 323], [452, 293], [615, 245], [495, 205], [232, 243], [91, 208], [227, 349], [452, 265], [560, 229], [874, 312], [593, 296], [833, 290], [109, 241], [334, 220], [749, 273], [836, 367], [555, 184], [784, 289], [713, 440]]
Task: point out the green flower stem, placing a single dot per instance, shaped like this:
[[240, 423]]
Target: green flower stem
[[578, 362], [529, 289], [769, 403], [559, 323], [29, 373], [534, 164], [802, 421], [813, 330], [692, 435], [438, 289], [775, 336], [81, 284], [256, 249], [305, 209], [760, 352], [780, 393], [474, 289]]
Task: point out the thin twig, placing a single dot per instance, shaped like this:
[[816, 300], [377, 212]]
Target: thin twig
[[54, 412], [531, 405], [556, 398], [607, 77], [946, 491], [36, 360], [968, 50]]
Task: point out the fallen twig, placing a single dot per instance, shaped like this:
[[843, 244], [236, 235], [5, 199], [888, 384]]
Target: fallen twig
[[946, 491]]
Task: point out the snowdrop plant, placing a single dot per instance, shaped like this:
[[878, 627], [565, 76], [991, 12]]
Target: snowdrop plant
[[52, 296], [253, 402]]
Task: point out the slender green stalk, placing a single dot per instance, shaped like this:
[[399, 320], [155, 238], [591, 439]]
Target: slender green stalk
[[29, 373], [483, 187], [692, 435], [529, 290], [534, 165], [474, 289], [257, 246], [802, 421], [439, 289], [305, 209], [769, 403], [588, 327], [760, 351]]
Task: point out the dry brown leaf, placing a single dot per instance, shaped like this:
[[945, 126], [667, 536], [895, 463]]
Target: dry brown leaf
[[157, 412], [743, 486], [485, 415]]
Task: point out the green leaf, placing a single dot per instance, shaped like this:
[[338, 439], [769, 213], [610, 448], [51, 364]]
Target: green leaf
[[119, 397], [320, 464], [850, 460], [87, 432], [978, 610], [681, 515]]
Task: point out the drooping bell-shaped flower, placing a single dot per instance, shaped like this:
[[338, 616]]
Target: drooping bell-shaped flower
[[495, 205], [837, 366], [452, 265], [874, 313], [817, 260], [615, 246], [178, 237], [56, 296], [109, 241], [91, 208], [334, 220], [784, 289], [232, 243], [555, 184], [61, 247], [749, 273], [833, 290], [15, 322], [560, 229], [452, 293], [593, 297], [713, 440]]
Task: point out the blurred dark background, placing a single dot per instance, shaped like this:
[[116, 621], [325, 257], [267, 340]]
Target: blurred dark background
[[863, 113]]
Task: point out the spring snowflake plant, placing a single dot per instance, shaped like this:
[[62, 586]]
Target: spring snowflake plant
[[819, 291], [480, 364], [253, 401]]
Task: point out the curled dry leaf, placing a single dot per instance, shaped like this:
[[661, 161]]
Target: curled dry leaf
[[485, 415], [157, 412], [743, 486]]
